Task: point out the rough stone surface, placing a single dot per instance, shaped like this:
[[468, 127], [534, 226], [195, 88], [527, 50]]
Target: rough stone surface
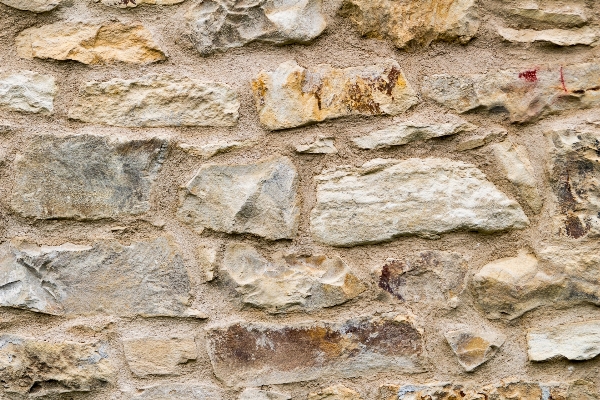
[[577, 341], [36, 6], [158, 356], [568, 15], [33, 368], [181, 392], [258, 198], [337, 392], [385, 199], [559, 37], [289, 281], [261, 354], [27, 92], [76, 280], [322, 145], [410, 23], [207, 259], [157, 100], [211, 149], [90, 43], [293, 96], [481, 137], [473, 348], [258, 394], [135, 3], [219, 25], [85, 177]]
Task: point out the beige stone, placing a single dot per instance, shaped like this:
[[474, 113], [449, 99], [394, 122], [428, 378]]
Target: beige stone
[[410, 23], [293, 96], [571, 14], [289, 282], [481, 137], [258, 198], [575, 341], [90, 43], [337, 392], [385, 199], [560, 37], [157, 100], [188, 391], [207, 259], [473, 348], [157, 356], [27, 91], [135, 3], [322, 145], [258, 394], [208, 150], [36, 6]]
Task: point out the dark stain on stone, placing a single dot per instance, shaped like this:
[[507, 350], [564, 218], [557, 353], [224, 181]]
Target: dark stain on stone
[[391, 278], [360, 98], [574, 227], [529, 75]]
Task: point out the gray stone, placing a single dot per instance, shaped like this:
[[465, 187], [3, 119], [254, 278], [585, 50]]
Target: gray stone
[[481, 137], [181, 392], [322, 145], [158, 356], [258, 394], [27, 92], [208, 150], [576, 341], [473, 348], [36, 6]]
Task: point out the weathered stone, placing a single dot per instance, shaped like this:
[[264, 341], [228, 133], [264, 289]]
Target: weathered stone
[[322, 145], [135, 3], [572, 14], [525, 94], [219, 25], [261, 354], [560, 37], [157, 356], [337, 392], [90, 43], [290, 281], [519, 171], [157, 100], [76, 280], [181, 392], [385, 199], [481, 137], [407, 132], [473, 348], [36, 6], [410, 23], [85, 177], [430, 277], [213, 148], [35, 368], [293, 96], [575, 341], [28, 92], [258, 394], [259, 198], [207, 260]]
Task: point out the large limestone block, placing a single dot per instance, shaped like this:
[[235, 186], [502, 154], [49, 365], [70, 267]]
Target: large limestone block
[[85, 177], [293, 96], [474, 347], [158, 356], [146, 279], [560, 37], [219, 25], [135, 3], [385, 199], [181, 392], [157, 100], [27, 92], [576, 341], [259, 198], [261, 354], [410, 23], [34, 368], [36, 6], [290, 281], [90, 43], [525, 94]]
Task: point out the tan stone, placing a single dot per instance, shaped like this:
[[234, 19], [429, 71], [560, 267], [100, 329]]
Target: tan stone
[[157, 356], [560, 37], [36, 6], [27, 92], [135, 3], [337, 392], [571, 14], [473, 348], [481, 137], [293, 96], [322, 145], [576, 341], [409, 23], [188, 391], [90, 43], [207, 259], [208, 150], [258, 394]]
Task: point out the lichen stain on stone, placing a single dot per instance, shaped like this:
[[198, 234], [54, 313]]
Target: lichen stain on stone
[[391, 278]]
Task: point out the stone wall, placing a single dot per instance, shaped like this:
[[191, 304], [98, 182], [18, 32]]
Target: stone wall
[[299, 199]]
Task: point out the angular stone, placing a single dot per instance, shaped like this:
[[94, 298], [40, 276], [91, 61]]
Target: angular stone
[[519, 171], [407, 132], [411, 23], [157, 356], [481, 137], [337, 392], [27, 92], [258, 394], [90, 43], [572, 14], [157, 100], [135, 3], [219, 25], [576, 341], [560, 37], [293, 96], [385, 199], [207, 259], [36, 6], [261, 354], [259, 198], [473, 348], [213, 148], [289, 282], [181, 392], [33, 368], [322, 145], [76, 280], [525, 94], [429, 277], [85, 177]]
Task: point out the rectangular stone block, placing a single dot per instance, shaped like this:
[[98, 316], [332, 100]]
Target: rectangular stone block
[[27, 92], [576, 341], [158, 356]]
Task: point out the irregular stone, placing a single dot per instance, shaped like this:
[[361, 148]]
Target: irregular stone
[[337, 392], [207, 259], [519, 171], [430, 277], [473, 348], [27, 92], [157, 100], [33, 368], [414, 23], [181, 392], [293, 96], [211, 149], [135, 3], [85, 177], [157, 356], [569, 15], [262, 354], [219, 25], [76, 280], [560, 37], [575, 341], [322, 145], [289, 282], [481, 137], [407, 132], [259, 198], [90, 43], [385, 199], [257, 394], [36, 6], [526, 94]]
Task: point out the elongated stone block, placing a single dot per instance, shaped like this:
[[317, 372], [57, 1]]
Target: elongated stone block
[[36, 6], [576, 341]]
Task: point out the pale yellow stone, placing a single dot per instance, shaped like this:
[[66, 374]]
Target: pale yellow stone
[[473, 348], [155, 356]]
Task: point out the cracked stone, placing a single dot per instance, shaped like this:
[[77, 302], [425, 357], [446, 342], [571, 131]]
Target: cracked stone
[[473, 348]]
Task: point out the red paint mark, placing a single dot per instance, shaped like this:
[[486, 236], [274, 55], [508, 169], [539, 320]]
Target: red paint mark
[[562, 80], [529, 76]]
